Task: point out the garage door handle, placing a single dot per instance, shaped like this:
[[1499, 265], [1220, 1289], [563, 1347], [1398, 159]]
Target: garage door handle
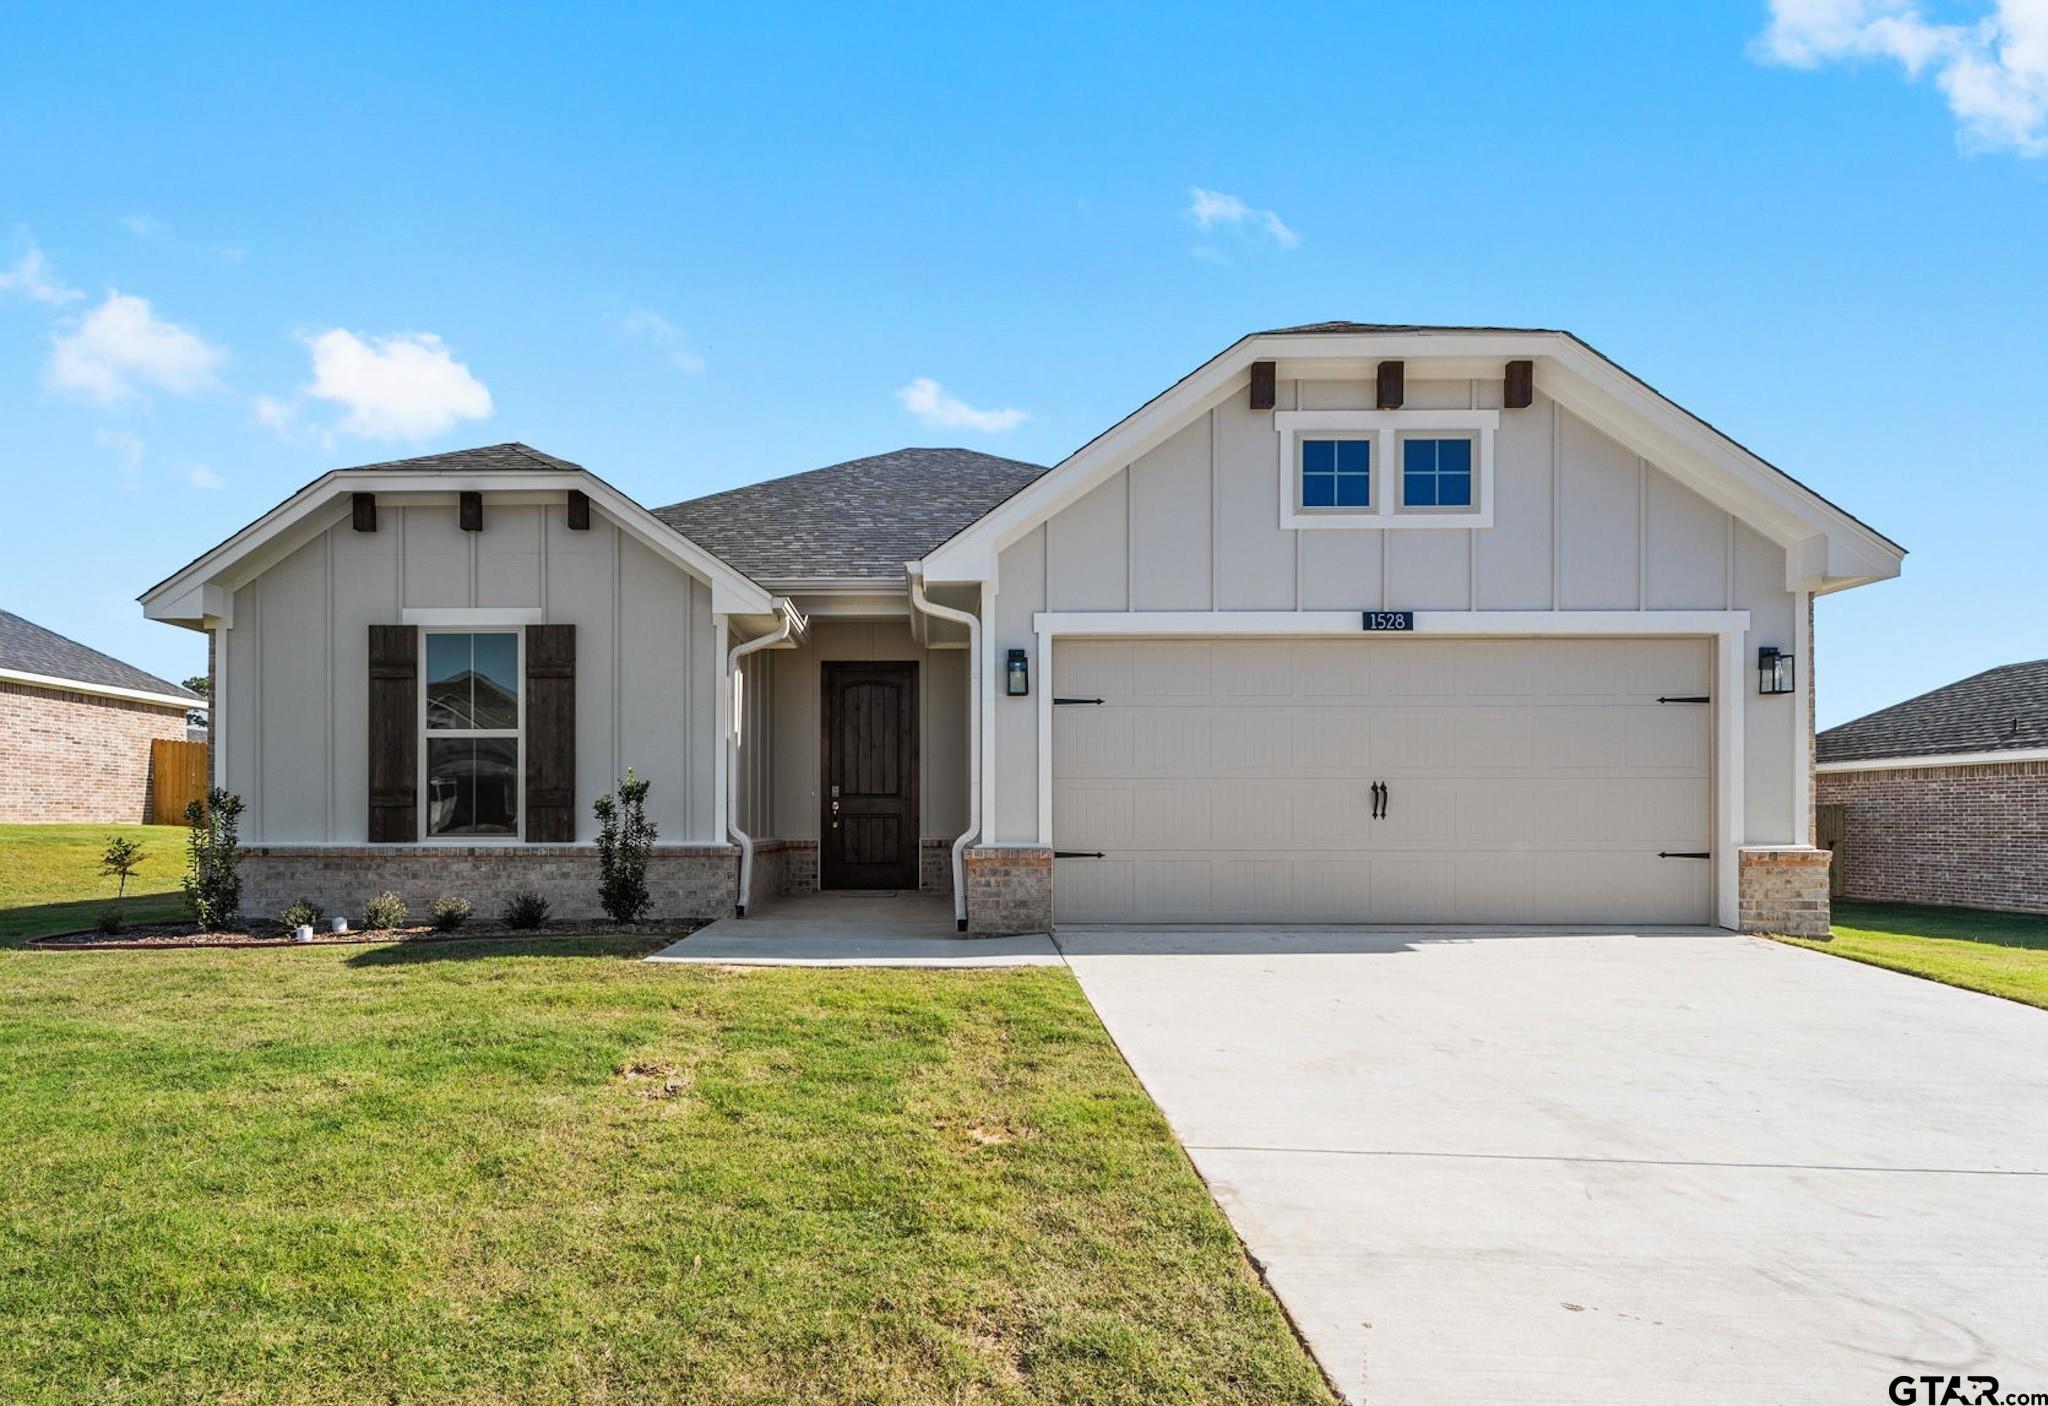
[[1379, 799]]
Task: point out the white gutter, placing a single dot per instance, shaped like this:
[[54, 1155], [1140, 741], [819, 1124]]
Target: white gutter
[[967, 836], [102, 690], [791, 622], [2014, 754]]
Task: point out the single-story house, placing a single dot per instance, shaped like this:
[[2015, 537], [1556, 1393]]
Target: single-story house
[[1944, 798], [76, 727], [1354, 622]]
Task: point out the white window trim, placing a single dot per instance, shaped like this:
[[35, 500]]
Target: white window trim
[[1375, 481], [1398, 473], [1386, 428], [1725, 628], [473, 627]]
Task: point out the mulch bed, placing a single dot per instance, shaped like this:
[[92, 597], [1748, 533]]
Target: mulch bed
[[145, 937]]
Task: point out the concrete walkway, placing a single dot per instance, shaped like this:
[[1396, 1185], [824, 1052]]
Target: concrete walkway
[[855, 929], [1680, 1166]]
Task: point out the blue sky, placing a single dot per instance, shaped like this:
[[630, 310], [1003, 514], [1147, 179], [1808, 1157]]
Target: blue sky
[[696, 247]]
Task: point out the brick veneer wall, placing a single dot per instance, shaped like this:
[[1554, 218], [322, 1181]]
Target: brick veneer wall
[[1783, 889], [78, 756], [1009, 889], [1976, 836], [687, 882]]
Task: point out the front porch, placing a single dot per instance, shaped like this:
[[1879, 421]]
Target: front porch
[[855, 928]]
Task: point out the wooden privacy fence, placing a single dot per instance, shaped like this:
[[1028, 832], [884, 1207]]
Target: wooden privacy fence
[[1830, 833], [177, 777]]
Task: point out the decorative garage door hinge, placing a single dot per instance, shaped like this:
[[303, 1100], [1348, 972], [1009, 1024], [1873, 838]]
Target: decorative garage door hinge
[[1687, 698], [1076, 700], [1684, 854], [1077, 854]]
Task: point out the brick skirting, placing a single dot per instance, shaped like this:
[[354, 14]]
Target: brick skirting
[[1783, 889], [78, 757], [686, 881], [1970, 835], [1009, 889]]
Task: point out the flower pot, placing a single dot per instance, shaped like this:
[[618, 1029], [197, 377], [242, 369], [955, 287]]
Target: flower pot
[[303, 933], [337, 924]]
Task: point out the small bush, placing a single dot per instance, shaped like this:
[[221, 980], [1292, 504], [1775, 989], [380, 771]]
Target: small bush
[[110, 921], [386, 910], [526, 910], [450, 913], [304, 911], [625, 837], [213, 849]]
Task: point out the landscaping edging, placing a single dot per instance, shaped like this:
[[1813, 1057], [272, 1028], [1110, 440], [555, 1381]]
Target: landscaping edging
[[66, 941]]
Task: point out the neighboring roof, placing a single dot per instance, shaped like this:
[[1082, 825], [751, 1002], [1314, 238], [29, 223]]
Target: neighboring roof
[[28, 648], [2000, 710], [1827, 547], [856, 521]]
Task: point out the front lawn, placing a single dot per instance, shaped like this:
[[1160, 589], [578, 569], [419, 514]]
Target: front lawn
[[550, 1173], [50, 880], [2000, 954]]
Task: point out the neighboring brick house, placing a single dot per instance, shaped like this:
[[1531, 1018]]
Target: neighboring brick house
[[1944, 797], [75, 729]]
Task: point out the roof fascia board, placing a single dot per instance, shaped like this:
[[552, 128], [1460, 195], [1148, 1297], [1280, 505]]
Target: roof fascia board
[[2012, 754], [322, 504], [101, 690]]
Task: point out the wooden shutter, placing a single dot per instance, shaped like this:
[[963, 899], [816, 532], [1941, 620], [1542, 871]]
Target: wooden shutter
[[394, 734], [550, 734]]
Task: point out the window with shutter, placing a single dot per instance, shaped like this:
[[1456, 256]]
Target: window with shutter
[[394, 735]]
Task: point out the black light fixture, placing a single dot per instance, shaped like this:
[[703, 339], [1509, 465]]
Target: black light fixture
[[1017, 677], [1773, 670]]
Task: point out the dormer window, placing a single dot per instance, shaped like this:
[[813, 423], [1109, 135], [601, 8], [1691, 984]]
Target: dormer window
[[1434, 469], [1436, 472], [1336, 474]]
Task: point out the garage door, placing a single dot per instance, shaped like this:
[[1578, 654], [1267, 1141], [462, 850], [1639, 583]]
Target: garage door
[[1519, 781]]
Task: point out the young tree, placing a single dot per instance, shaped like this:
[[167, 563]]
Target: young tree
[[625, 836], [213, 849], [118, 860]]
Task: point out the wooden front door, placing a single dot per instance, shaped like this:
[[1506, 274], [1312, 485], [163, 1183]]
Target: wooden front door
[[868, 793]]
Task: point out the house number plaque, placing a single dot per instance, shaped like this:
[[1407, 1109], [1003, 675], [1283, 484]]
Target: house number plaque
[[1389, 619]]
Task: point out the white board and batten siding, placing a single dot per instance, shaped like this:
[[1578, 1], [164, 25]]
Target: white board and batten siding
[[297, 661], [1580, 523]]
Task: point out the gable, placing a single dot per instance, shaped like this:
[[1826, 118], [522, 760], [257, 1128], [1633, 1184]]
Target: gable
[[1619, 419]]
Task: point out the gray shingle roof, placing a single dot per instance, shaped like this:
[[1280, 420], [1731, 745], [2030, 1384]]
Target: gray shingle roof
[[29, 648], [513, 455], [1995, 711], [859, 521]]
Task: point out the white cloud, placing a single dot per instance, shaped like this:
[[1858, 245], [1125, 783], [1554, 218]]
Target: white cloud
[[1993, 71], [31, 277], [274, 414], [405, 386], [205, 479], [128, 450], [927, 399], [1211, 208], [143, 226], [647, 325], [120, 343]]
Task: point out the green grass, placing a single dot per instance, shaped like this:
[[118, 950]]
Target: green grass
[[50, 880], [429, 1174], [2000, 954]]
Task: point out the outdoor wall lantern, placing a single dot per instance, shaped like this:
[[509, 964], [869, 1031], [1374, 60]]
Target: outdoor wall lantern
[[1773, 670], [1017, 677]]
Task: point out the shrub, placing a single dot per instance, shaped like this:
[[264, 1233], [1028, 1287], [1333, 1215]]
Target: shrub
[[625, 836], [386, 910], [213, 850], [304, 911], [450, 913], [526, 910], [110, 921]]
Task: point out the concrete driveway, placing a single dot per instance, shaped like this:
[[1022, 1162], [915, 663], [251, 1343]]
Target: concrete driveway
[[1665, 1166]]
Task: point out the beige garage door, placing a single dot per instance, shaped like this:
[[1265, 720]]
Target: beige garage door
[[1524, 781]]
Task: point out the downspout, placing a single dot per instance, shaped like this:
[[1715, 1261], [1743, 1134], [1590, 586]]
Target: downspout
[[732, 748], [967, 836]]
